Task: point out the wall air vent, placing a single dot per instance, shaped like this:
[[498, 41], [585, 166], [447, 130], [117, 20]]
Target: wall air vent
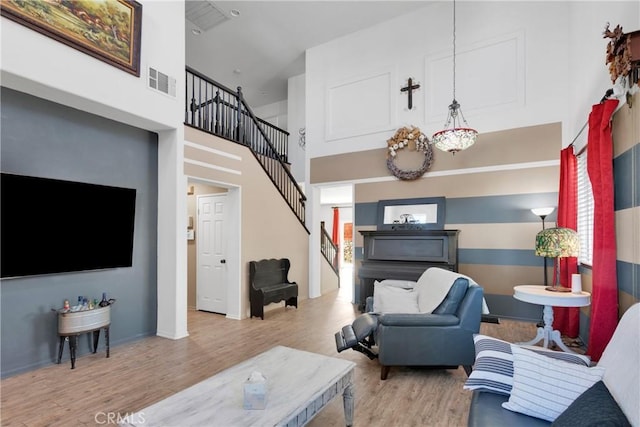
[[204, 14], [161, 82]]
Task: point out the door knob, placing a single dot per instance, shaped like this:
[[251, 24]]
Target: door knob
[[223, 261]]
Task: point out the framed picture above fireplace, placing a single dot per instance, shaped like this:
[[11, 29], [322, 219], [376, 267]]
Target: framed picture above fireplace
[[108, 30], [411, 214]]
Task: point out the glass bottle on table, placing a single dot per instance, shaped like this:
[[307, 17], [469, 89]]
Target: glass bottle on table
[[104, 302]]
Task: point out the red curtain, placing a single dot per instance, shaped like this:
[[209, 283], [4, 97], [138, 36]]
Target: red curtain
[[336, 225], [567, 319], [604, 295]]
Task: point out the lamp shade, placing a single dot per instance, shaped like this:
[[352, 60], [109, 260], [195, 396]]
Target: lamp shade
[[542, 211], [454, 139], [557, 243]]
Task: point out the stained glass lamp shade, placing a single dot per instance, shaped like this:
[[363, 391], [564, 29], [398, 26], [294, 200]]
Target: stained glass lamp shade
[[557, 243], [454, 138]]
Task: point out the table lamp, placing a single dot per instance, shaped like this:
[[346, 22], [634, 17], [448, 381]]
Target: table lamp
[[558, 242]]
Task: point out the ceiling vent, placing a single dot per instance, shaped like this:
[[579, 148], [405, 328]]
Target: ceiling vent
[[204, 14], [161, 82]]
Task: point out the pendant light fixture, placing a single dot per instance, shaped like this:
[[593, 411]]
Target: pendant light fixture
[[453, 137]]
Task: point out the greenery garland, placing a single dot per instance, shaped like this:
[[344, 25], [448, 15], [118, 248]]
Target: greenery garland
[[414, 140]]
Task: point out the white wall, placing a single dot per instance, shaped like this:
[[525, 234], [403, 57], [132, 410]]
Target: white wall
[[41, 66], [518, 64], [589, 76], [296, 119], [274, 113]]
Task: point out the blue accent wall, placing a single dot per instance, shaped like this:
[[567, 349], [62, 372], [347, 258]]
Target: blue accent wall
[[628, 278], [41, 138], [366, 214], [477, 210], [498, 257], [498, 209], [626, 174], [481, 210], [627, 186]]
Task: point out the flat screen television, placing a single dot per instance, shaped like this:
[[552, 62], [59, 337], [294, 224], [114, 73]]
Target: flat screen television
[[55, 226]]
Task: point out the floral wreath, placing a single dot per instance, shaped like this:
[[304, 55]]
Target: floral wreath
[[618, 53], [414, 140]]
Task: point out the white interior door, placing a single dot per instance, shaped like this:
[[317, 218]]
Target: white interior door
[[211, 283]]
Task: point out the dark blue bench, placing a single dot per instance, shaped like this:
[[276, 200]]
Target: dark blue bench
[[269, 283]]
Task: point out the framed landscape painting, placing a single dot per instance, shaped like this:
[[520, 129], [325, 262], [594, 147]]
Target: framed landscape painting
[[105, 29]]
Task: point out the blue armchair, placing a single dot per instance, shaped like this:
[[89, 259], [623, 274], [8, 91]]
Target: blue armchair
[[442, 338]]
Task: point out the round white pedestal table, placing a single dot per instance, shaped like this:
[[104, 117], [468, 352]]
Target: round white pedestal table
[[535, 294]]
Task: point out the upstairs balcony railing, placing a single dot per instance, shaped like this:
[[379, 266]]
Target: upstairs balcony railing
[[216, 109]]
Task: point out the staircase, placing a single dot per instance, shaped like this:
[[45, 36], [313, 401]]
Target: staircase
[[213, 108], [329, 250]]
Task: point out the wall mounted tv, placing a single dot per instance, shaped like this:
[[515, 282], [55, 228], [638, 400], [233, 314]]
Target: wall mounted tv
[[55, 226]]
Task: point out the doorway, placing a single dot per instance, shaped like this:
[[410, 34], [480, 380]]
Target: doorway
[[225, 276], [346, 257], [211, 272], [340, 197]]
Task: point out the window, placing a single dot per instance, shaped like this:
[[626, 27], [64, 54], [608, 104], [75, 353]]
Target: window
[[585, 211]]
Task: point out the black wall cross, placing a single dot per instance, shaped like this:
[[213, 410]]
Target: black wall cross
[[409, 88]]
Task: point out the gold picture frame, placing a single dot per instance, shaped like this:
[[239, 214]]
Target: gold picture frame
[[108, 30]]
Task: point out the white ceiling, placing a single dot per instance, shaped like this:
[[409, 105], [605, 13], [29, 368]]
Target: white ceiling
[[265, 44]]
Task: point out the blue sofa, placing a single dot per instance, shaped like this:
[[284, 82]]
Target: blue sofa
[[621, 377]]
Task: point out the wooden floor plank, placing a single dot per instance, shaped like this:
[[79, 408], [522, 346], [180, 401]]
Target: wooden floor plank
[[141, 373]]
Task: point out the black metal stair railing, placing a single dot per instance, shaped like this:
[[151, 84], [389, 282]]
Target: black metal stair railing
[[329, 249], [216, 109]]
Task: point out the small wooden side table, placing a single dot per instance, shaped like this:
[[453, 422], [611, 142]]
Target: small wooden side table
[[536, 294], [73, 323]]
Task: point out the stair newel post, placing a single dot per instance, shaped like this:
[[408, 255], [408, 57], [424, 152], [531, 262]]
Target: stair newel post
[[240, 117]]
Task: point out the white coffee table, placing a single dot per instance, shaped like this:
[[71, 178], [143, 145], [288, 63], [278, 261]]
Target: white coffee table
[[536, 294], [299, 385]]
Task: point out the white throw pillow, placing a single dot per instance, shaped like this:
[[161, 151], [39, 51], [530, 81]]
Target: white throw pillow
[[391, 299], [493, 367], [544, 387]]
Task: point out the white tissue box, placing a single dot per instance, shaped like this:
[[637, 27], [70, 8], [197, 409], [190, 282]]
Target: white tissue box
[[255, 394]]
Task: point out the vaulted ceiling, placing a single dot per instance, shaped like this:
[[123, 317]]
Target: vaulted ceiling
[[258, 45]]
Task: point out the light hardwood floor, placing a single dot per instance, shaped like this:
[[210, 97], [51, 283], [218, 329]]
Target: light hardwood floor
[[146, 371]]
